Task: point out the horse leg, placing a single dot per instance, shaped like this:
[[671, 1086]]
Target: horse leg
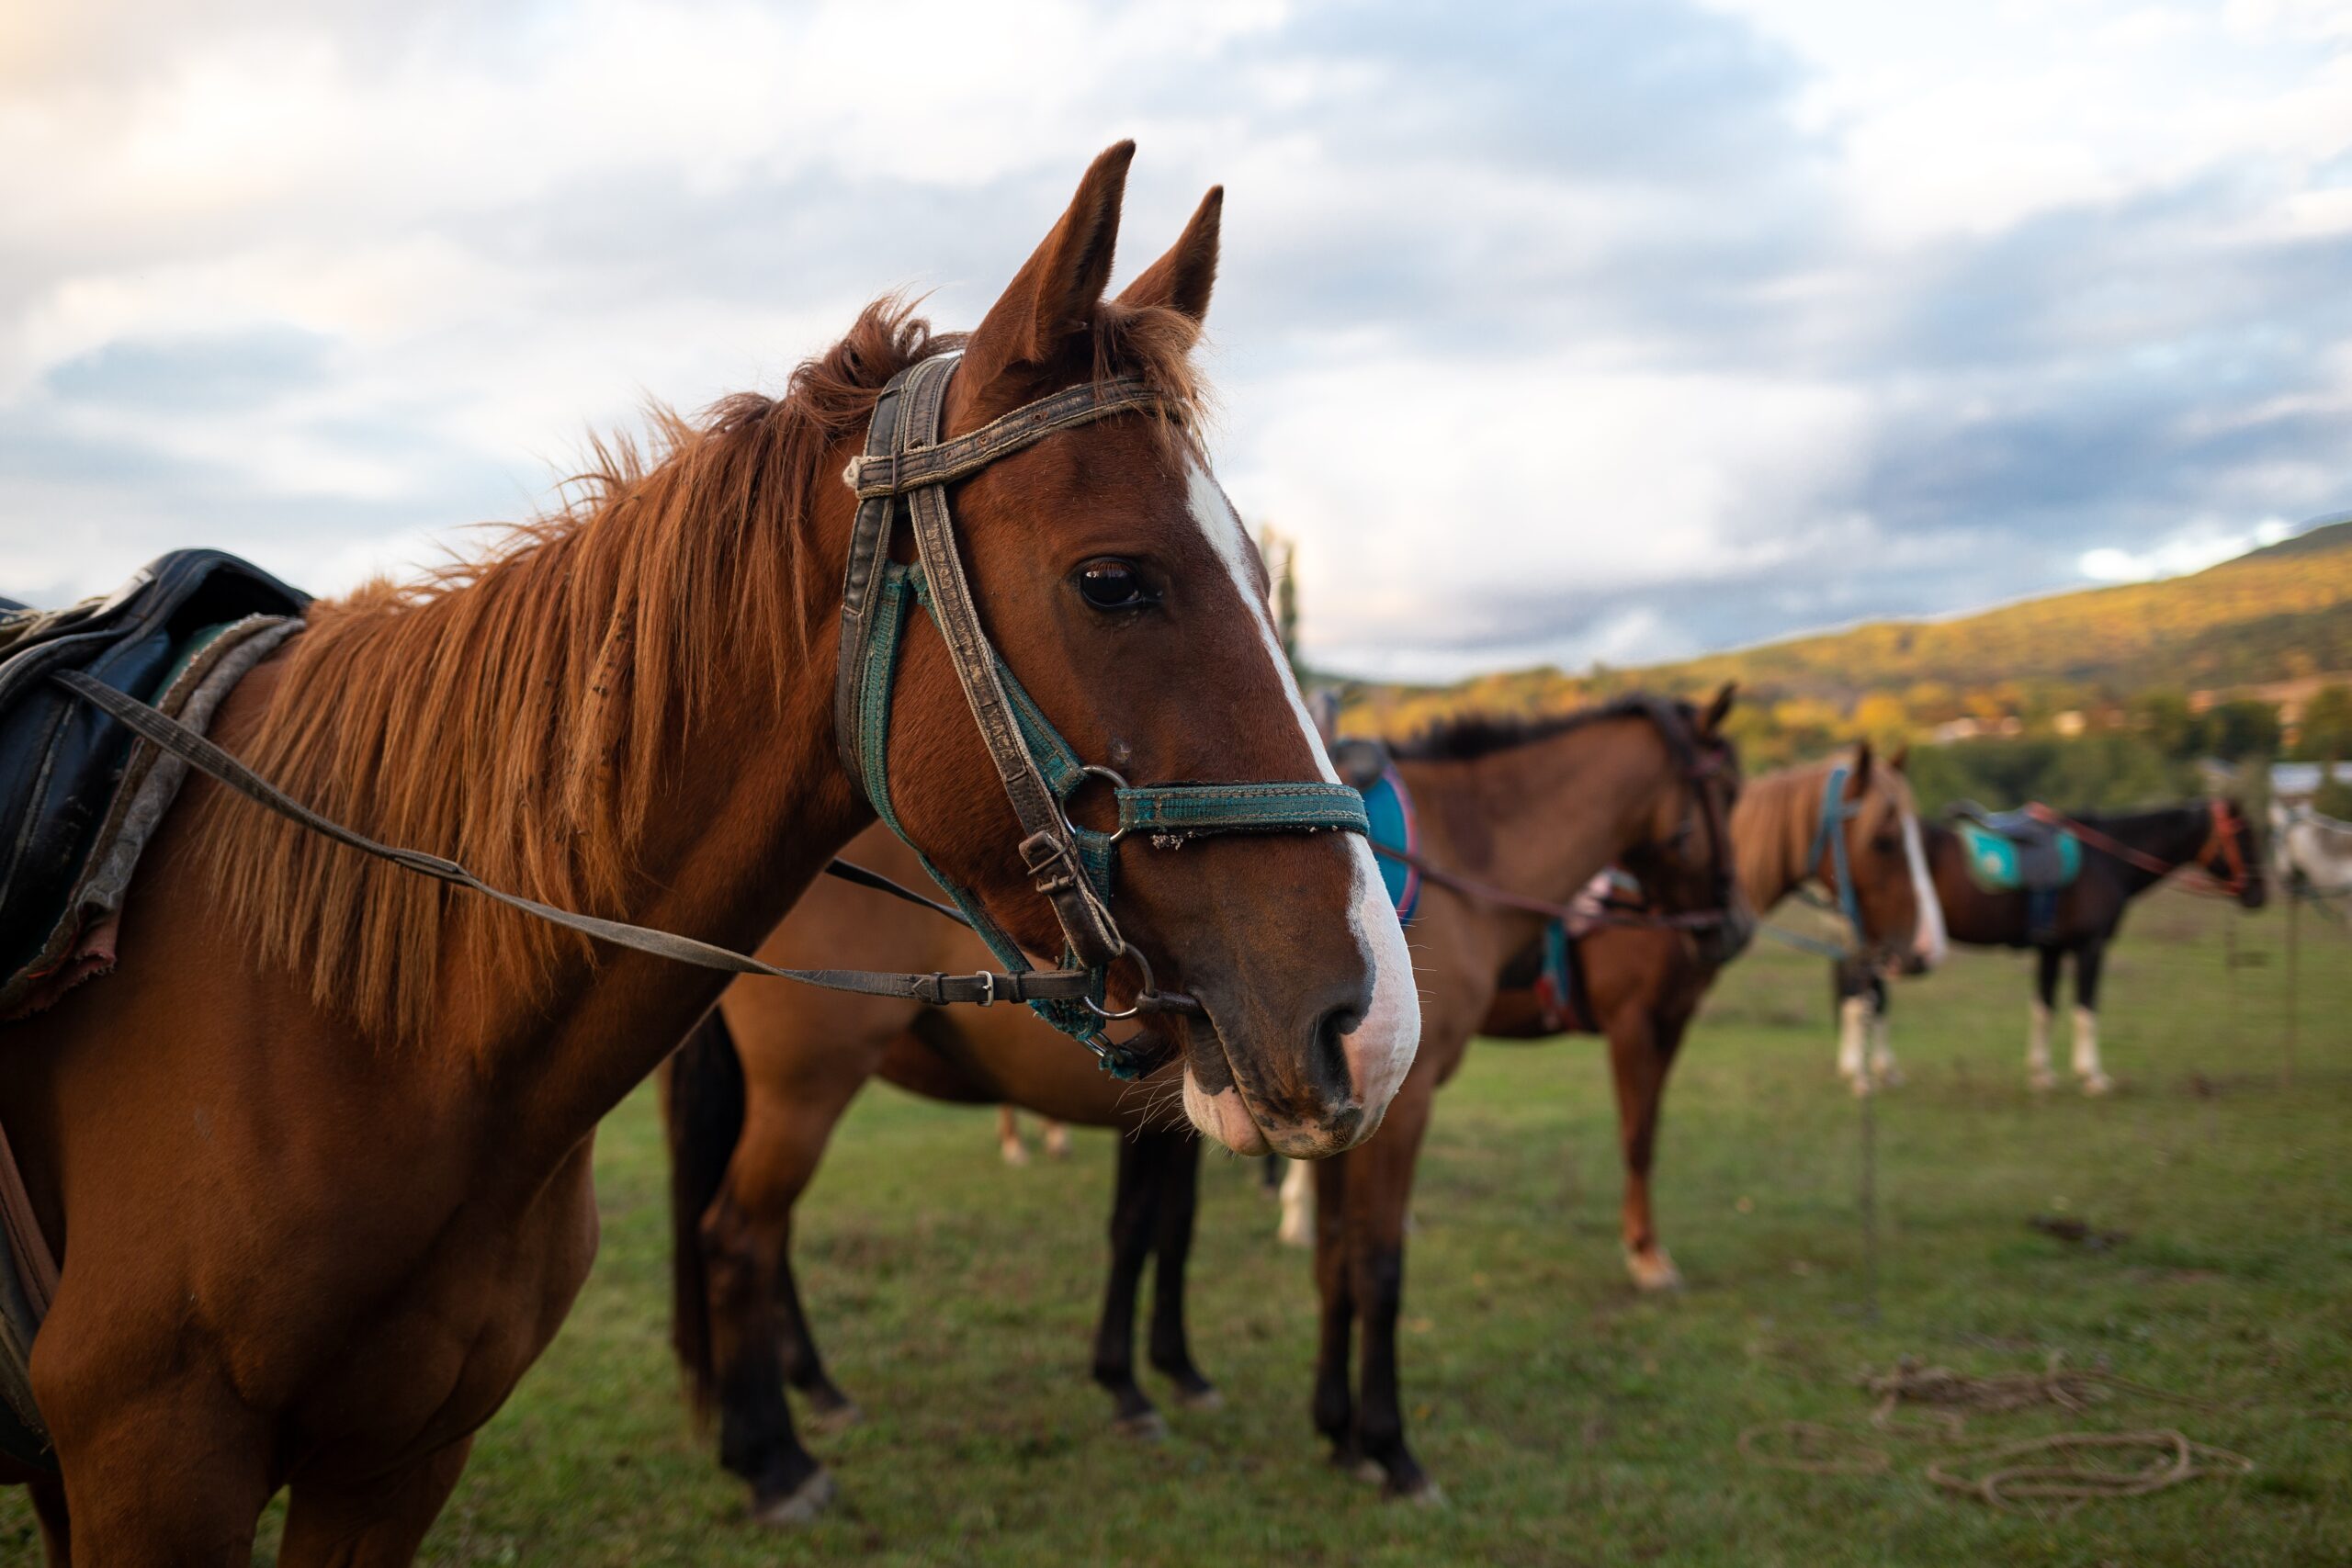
[[1853, 1021], [745, 1234], [1135, 1210], [1380, 1193], [56, 1531], [1334, 1389], [378, 1523], [2087, 959], [2037, 1025], [1638, 1060], [1171, 1347], [161, 1482], [1057, 1139], [1297, 1227], [1272, 1169], [830, 1410], [1008, 1137], [1883, 1064]]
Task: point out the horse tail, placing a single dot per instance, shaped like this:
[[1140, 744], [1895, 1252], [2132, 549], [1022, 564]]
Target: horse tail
[[705, 1106]]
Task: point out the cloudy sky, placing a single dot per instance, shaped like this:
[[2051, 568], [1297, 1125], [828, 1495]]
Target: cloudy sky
[[1554, 333]]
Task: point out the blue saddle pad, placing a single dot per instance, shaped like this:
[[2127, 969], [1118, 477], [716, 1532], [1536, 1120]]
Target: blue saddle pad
[[1395, 825], [2001, 863]]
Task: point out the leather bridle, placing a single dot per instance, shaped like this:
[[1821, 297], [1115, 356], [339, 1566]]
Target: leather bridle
[[905, 470]]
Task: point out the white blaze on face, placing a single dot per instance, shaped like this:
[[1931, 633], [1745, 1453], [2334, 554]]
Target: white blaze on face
[[1380, 1050], [1929, 939]]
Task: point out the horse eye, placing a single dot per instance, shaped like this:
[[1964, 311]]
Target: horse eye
[[1112, 585], [1886, 843]]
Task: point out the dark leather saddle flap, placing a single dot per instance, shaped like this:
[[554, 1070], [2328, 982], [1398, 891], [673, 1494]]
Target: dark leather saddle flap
[[60, 760]]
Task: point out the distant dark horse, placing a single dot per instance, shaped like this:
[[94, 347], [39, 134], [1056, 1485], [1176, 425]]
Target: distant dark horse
[[2124, 854]]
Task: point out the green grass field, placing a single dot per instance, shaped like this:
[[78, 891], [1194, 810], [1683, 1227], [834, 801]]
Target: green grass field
[[1569, 1420]]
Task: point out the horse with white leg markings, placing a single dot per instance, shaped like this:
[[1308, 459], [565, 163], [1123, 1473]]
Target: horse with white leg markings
[[2119, 857], [2309, 853]]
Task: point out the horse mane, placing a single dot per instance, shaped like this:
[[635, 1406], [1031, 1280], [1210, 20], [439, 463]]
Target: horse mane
[[522, 710], [1467, 737]]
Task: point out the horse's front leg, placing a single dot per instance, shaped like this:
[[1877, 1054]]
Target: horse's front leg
[[2038, 1075], [1172, 1346], [1135, 1213], [1380, 1193], [2088, 960], [378, 1523], [1334, 1385], [1638, 1060], [170, 1478]]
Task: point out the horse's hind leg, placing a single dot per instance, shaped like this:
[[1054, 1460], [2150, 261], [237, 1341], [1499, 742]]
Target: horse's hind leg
[[1882, 1064], [1848, 985], [1172, 1349], [2087, 959], [830, 1410], [1135, 1210], [375, 1524], [2038, 1075]]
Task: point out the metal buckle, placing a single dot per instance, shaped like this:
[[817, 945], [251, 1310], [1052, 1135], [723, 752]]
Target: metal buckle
[[987, 977], [1116, 782], [1144, 998]]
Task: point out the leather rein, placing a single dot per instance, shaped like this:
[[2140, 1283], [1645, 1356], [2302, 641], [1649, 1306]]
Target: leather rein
[[905, 472], [2220, 839]]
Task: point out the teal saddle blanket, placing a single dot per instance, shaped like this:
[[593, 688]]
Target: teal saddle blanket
[[2019, 854]]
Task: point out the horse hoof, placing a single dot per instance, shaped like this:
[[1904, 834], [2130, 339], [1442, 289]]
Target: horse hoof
[[1652, 1270], [1016, 1153], [1146, 1427], [1861, 1088], [835, 1419], [1421, 1493], [799, 1506], [1205, 1398], [2098, 1084], [1368, 1470], [2041, 1083]]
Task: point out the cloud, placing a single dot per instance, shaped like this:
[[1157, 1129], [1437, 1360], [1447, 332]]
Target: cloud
[[1604, 332]]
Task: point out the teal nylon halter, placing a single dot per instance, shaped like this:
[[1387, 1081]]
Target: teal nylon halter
[[1166, 815], [1835, 812]]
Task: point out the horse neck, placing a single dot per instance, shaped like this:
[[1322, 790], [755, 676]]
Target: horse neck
[[1541, 818], [756, 804], [1782, 812], [2172, 837]]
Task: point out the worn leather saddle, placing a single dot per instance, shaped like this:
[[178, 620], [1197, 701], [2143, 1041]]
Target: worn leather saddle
[[2016, 851], [63, 763]]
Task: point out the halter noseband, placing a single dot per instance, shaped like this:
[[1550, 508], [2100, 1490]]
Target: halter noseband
[[905, 470]]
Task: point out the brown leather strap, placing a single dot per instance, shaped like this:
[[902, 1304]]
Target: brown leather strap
[[1047, 847], [905, 469], [159, 729]]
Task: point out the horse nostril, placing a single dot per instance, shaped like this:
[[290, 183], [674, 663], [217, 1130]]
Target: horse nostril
[[1328, 1054]]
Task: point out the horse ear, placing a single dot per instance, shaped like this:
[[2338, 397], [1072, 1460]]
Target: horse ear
[[1052, 297], [1860, 785], [1712, 720], [1181, 279], [1901, 761]]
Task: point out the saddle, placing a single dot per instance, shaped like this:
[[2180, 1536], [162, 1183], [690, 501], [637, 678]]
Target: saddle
[[2018, 851], [74, 809], [1365, 766]]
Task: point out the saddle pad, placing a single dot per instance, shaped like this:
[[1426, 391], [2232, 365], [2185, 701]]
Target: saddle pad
[[1999, 863], [1395, 825]]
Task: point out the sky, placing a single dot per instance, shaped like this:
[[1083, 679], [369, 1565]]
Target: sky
[[1559, 333]]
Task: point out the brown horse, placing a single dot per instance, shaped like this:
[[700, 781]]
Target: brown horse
[[756, 1094], [316, 1156], [1641, 986], [2123, 855]]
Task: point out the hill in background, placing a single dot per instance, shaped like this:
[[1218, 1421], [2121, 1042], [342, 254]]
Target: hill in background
[[2222, 661]]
